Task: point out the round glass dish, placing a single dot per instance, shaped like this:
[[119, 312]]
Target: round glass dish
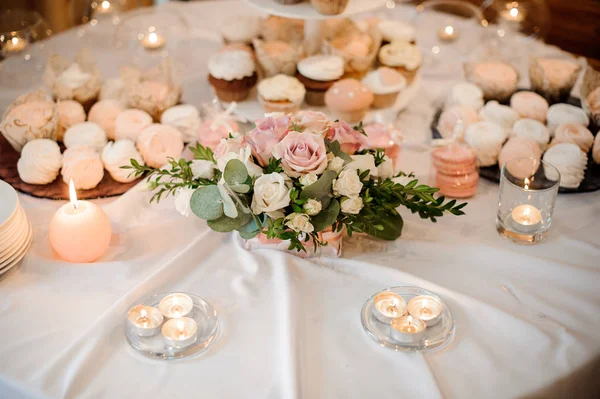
[[433, 337], [154, 346]]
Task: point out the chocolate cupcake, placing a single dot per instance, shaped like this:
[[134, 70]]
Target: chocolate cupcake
[[232, 75], [318, 74]]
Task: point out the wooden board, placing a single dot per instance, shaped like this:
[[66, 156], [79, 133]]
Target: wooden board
[[57, 189]]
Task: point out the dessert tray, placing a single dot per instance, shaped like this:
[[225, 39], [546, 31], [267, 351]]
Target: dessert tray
[[304, 10]]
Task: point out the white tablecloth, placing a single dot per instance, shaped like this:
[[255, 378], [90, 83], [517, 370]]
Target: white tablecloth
[[527, 317]]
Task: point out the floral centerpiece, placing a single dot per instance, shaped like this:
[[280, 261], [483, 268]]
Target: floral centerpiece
[[291, 178]]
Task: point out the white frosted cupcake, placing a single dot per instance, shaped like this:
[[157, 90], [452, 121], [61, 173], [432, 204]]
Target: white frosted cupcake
[[104, 113], [84, 166], [532, 129], [120, 153], [465, 93], [396, 31], [385, 84], [70, 112], [40, 161], [157, 143], [569, 160], [499, 114], [318, 73], [130, 123], [574, 133], [530, 105], [485, 138], [402, 56], [232, 74], [86, 134], [454, 121], [565, 113], [281, 93], [498, 80], [185, 118]]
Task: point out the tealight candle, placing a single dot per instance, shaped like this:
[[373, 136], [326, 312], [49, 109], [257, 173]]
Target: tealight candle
[[175, 305], [153, 41], [387, 306], [80, 231], [144, 321], [513, 14], [14, 45], [526, 218], [426, 308], [104, 7], [179, 333], [407, 330], [448, 33]]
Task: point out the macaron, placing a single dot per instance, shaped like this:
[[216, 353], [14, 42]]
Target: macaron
[[454, 160], [461, 186]]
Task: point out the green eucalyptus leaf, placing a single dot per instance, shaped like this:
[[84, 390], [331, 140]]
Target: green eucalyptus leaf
[[206, 203], [326, 217], [235, 172], [335, 148], [320, 190], [226, 224], [240, 188], [249, 230], [391, 228]]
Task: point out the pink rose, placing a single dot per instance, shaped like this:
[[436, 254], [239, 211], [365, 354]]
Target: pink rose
[[268, 132], [312, 121], [301, 153], [211, 132], [350, 140], [380, 136]]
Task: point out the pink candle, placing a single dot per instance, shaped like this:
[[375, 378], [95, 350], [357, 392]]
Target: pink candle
[[80, 231]]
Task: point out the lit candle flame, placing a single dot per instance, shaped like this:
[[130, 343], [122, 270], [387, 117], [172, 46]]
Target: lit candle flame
[[143, 313], [449, 30], [181, 327], [152, 37], [72, 194], [514, 12], [14, 40], [409, 321], [526, 184], [105, 5]]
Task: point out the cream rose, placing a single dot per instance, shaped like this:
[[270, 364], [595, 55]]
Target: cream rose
[[312, 207], [363, 163], [301, 153], [351, 206], [236, 148], [308, 179], [336, 164], [348, 184], [271, 194], [299, 222], [386, 168], [203, 169]]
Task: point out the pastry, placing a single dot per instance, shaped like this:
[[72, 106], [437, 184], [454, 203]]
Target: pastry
[[281, 93], [454, 121], [285, 29], [104, 113], [40, 161], [385, 84], [574, 133], [499, 114], [358, 51], [185, 118], [532, 129], [497, 79], [86, 134], [113, 89], [276, 57], [329, 7], [70, 112], [519, 147], [130, 123], [403, 56], [553, 78], [485, 138], [461, 186], [456, 171], [386, 138], [30, 116], [396, 31], [529, 105], [565, 113], [569, 160], [318, 73], [157, 143], [241, 29], [232, 75], [596, 148], [120, 153], [82, 165], [211, 132], [465, 93], [348, 100]]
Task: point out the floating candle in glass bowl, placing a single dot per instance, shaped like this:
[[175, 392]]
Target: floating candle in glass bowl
[[144, 321], [407, 329], [426, 308], [180, 332], [526, 218], [387, 306], [175, 305]]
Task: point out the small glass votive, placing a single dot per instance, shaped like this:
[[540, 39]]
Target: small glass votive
[[407, 330], [426, 308], [175, 305], [144, 321], [180, 332], [388, 305], [528, 189]]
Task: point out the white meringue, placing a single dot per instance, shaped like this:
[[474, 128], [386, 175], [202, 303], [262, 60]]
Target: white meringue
[[454, 121], [70, 112], [574, 133], [113, 89], [185, 118], [40, 161], [130, 123], [532, 129], [84, 166], [529, 105], [465, 93], [485, 138], [157, 143], [86, 134], [500, 115], [569, 160], [565, 113], [117, 154], [74, 77], [104, 114]]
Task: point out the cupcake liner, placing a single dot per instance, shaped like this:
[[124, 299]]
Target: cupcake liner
[[288, 2], [350, 116], [274, 65], [83, 94], [552, 92], [384, 100], [591, 81], [356, 66], [230, 95], [315, 98], [329, 7]]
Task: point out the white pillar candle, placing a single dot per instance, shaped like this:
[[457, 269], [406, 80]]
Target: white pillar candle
[[144, 321], [387, 306], [176, 305], [180, 332], [526, 218], [407, 330], [425, 308]]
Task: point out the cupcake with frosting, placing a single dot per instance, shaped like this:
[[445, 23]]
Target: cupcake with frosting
[[70, 112], [40, 161], [104, 113], [465, 93], [559, 114], [486, 139], [241, 29], [348, 100], [318, 73], [570, 162], [497, 79], [232, 75], [157, 143], [455, 119], [529, 105], [574, 133], [276, 57], [281, 93], [553, 78], [402, 56], [120, 153], [82, 165], [185, 118], [385, 84], [532, 129], [329, 7], [130, 123], [499, 114], [358, 51], [287, 30], [518, 147], [392, 31], [86, 134]]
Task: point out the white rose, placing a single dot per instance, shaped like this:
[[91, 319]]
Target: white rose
[[404, 180], [352, 206], [299, 222], [182, 200], [230, 149], [336, 164], [348, 183], [386, 168], [312, 207], [271, 194], [203, 169], [362, 163], [308, 179]]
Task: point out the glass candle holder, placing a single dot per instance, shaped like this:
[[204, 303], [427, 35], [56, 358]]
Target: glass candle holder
[[528, 189]]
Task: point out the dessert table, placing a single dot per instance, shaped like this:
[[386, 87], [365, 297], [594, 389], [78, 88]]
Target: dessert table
[[527, 317]]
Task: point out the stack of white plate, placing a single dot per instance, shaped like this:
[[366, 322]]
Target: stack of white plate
[[15, 229]]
